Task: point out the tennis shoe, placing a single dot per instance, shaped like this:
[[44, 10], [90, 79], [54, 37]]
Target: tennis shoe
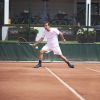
[[38, 65], [71, 66]]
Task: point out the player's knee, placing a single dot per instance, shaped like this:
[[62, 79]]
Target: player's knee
[[41, 52]]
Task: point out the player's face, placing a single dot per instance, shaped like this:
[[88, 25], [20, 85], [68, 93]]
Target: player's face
[[47, 27]]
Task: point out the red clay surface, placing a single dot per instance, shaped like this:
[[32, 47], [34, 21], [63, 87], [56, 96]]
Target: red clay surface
[[19, 81]]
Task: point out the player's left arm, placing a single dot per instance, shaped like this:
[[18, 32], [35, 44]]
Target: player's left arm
[[62, 36]]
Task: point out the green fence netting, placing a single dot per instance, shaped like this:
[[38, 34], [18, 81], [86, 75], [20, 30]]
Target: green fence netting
[[24, 52], [86, 52]]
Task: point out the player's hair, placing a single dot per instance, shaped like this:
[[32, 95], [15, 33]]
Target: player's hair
[[46, 23]]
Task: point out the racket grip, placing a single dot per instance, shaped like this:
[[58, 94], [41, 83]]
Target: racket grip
[[35, 44]]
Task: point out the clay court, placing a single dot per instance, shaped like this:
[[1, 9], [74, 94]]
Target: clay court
[[53, 81]]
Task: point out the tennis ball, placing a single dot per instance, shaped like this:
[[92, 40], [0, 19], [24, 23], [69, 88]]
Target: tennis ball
[[36, 47]]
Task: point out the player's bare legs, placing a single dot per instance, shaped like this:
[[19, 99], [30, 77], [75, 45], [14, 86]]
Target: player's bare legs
[[40, 57], [65, 60]]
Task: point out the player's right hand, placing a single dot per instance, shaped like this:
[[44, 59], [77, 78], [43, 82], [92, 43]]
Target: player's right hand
[[34, 44]]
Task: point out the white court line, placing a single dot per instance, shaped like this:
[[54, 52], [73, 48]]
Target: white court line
[[65, 84], [93, 70]]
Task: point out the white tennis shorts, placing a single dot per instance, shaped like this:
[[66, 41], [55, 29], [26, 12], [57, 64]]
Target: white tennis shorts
[[56, 50]]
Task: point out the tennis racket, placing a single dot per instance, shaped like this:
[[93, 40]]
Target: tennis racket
[[22, 40], [33, 46]]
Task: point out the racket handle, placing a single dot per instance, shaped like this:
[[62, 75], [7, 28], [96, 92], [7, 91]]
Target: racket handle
[[35, 44]]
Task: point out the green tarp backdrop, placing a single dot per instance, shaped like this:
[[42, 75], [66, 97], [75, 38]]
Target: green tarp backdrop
[[24, 52]]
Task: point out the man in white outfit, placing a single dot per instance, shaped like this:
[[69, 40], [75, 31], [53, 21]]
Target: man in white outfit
[[52, 44]]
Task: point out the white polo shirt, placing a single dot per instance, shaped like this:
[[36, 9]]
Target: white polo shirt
[[52, 37]]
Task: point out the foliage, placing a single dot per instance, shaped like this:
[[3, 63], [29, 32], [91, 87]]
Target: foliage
[[86, 35], [33, 31], [24, 31], [71, 32]]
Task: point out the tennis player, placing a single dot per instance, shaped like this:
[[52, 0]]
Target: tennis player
[[52, 45]]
